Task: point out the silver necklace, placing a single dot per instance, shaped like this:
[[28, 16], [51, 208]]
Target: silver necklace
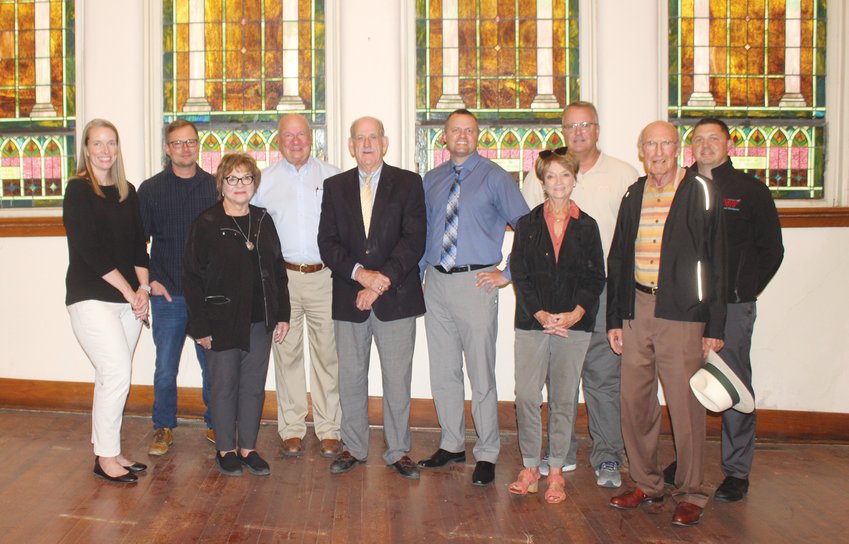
[[248, 243]]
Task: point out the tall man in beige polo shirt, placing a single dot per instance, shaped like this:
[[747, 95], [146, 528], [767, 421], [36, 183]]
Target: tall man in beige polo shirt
[[666, 310], [291, 190]]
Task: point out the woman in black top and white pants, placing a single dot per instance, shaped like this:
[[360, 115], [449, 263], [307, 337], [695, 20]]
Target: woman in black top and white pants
[[107, 290]]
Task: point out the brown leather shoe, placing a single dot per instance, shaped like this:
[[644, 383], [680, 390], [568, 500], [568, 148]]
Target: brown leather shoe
[[633, 499], [330, 448], [292, 447], [162, 440], [687, 514]]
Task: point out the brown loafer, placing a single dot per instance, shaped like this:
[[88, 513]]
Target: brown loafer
[[292, 447], [633, 499], [687, 514], [330, 448], [406, 468]]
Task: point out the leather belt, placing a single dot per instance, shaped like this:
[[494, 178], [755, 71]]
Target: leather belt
[[645, 289], [305, 268], [464, 268]]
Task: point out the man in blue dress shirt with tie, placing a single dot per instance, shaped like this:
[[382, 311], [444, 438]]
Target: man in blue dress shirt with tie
[[470, 200]]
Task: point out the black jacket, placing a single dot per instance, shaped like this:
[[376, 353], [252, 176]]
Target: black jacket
[[394, 246], [217, 272], [577, 277], [755, 248], [692, 276]]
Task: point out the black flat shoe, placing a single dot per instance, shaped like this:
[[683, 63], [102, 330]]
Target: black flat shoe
[[484, 473], [128, 478], [441, 458], [136, 467]]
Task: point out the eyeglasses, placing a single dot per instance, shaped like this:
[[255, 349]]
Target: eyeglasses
[[665, 144], [546, 153], [583, 125], [235, 180], [181, 143]]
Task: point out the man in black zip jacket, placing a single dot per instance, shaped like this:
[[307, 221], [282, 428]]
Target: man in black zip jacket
[[755, 252], [665, 311]]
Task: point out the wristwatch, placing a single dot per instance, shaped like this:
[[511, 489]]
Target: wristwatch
[[146, 287]]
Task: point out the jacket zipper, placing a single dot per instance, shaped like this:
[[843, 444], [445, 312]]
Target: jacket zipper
[[259, 262]]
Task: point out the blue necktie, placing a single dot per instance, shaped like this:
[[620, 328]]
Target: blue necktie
[[449, 239]]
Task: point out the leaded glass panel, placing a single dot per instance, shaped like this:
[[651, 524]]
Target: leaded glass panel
[[37, 109], [514, 63], [760, 66], [233, 67]]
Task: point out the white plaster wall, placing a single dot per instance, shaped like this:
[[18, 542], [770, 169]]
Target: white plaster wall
[[799, 344]]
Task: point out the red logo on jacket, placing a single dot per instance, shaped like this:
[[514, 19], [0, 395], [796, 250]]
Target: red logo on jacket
[[732, 204]]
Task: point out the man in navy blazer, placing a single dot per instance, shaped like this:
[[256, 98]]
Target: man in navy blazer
[[372, 236]]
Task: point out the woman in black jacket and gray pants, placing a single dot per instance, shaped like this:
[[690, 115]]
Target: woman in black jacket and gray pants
[[234, 279], [557, 265]]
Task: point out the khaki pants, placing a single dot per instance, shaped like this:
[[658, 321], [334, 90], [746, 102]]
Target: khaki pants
[[310, 296]]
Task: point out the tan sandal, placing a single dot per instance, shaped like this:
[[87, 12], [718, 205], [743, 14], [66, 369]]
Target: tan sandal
[[527, 482], [556, 492]]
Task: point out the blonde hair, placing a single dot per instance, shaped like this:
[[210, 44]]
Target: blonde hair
[[116, 171], [560, 156]]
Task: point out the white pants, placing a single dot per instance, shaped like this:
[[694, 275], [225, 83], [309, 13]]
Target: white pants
[[107, 332]]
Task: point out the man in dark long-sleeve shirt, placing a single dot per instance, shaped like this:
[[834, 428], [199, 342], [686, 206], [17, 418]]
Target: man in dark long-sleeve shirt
[[755, 252], [169, 202]]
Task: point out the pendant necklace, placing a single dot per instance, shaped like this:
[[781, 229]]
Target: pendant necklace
[[248, 243]]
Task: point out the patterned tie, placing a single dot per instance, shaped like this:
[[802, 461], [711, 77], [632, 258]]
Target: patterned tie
[[452, 219], [365, 202]]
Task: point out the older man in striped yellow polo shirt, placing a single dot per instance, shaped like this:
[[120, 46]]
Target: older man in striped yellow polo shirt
[[666, 310]]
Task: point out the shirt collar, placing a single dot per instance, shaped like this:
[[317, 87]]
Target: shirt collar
[[468, 165]]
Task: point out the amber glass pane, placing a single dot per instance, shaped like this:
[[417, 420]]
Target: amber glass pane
[[246, 75], [757, 78], [37, 110]]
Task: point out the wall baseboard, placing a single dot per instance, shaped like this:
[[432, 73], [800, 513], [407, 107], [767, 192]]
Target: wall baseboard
[[779, 425]]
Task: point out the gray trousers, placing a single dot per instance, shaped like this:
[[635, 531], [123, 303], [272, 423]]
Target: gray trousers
[[237, 390], [601, 394], [738, 429], [395, 341], [539, 356], [462, 319]]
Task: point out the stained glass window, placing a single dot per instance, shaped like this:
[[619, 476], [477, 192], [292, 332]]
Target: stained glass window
[[514, 63], [37, 110], [233, 67], [760, 66]]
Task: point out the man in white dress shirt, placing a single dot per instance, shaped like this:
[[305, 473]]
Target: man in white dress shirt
[[291, 191]]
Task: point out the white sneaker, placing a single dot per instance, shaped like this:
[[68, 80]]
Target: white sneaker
[[607, 474], [543, 466]]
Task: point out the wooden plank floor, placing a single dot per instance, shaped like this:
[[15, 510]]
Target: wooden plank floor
[[49, 495]]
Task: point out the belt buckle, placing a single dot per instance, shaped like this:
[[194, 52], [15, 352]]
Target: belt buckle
[[301, 268], [653, 291]]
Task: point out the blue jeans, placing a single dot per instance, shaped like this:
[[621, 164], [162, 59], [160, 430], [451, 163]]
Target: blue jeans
[[169, 336]]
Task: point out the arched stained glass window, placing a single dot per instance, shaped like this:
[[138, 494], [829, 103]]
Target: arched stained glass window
[[233, 67], [37, 109], [513, 63], [760, 66]]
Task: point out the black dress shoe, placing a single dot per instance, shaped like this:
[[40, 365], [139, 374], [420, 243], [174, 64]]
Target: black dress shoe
[[442, 458], [406, 468], [731, 489], [136, 467], [484, 473], [128, 478], [344, 463], [669, 473]]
